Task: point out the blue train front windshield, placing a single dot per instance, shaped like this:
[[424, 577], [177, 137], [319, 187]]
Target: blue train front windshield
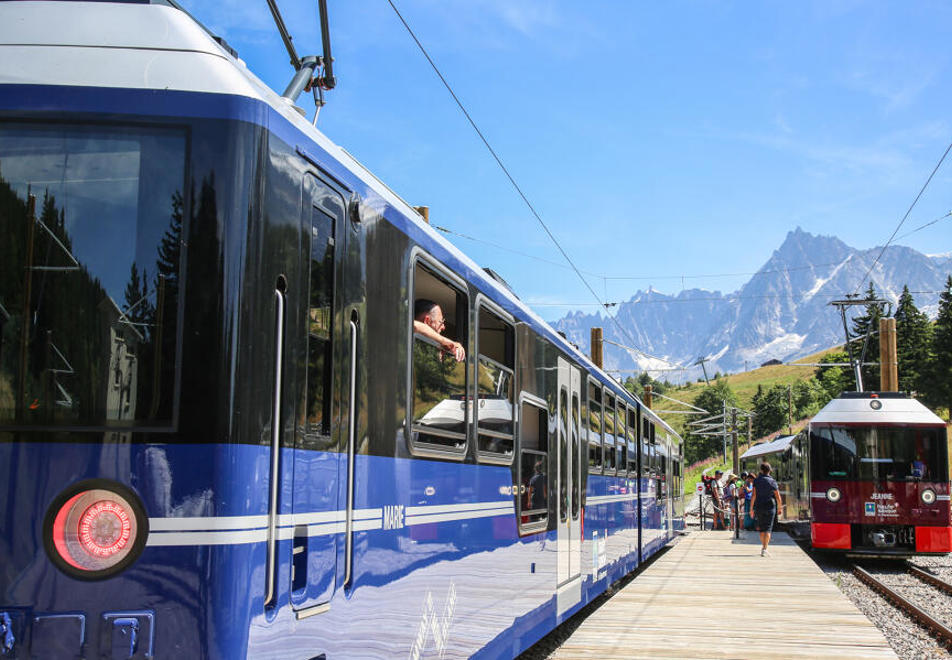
[[91, 220]]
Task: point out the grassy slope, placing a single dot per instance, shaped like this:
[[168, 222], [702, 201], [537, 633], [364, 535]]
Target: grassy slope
[[744, 385]]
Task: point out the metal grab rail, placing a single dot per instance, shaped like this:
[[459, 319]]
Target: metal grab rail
[[351, 453], [271, 572]]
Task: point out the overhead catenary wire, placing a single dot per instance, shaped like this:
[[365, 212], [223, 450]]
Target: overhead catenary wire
[[904, 217], [725, 299], [601, 276], [502, 166]]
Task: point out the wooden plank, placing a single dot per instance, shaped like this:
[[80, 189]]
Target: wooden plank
[[678, 608]]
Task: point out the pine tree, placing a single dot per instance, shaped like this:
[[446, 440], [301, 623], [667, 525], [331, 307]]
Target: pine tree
[[939, 387], [835, 380], [913, 343], [868, 322]]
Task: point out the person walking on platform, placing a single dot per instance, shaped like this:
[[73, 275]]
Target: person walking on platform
[[765, 503]]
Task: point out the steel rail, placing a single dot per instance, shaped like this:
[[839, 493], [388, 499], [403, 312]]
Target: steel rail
[[919, 615], [930, 579]]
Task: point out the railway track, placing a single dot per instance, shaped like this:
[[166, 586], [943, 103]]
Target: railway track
[[917, 613]]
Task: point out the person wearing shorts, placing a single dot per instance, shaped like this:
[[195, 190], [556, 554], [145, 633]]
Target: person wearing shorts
[[764, 503]]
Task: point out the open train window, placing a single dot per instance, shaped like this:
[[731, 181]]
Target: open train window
[[494, 386], [609, 434], [533, 497], [439, 408], [631, 437], [594, 428]]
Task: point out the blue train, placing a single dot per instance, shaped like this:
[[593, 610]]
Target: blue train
[[220, 436]]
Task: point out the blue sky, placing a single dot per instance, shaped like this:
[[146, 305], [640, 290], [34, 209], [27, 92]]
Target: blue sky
[[657, 140]]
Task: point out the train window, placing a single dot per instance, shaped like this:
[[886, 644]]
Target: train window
[[663, 475], [90, 275], [595, 428], [608, 434], [439, 408], [632, 439], [887, 453], [494, 387], [533, 461], [621, 433], [319, 327]]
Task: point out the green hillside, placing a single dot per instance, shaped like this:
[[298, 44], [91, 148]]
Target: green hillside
[[743, 384]]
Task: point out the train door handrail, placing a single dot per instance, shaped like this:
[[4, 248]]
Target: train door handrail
[[275, 449], [351, 453]]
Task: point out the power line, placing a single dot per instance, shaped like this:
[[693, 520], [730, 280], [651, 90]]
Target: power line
[[638, 350], [447, 230], [901, 222], [731, 299], [920, 227], [501, 165], [506, 249]]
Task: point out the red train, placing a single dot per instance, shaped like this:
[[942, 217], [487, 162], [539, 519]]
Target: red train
[[870, 476]]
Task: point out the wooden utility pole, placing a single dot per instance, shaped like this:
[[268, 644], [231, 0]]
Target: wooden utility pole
[[597, 347], [789, 409], [648, 396], [888, 360], [750, 430], [424, 212], [734, 440]]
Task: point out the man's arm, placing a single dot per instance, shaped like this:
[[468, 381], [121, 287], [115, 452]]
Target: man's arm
[[776, 495], [448, 345], [753, 498]]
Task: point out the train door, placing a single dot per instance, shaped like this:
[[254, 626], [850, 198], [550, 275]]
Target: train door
[[569, 476], [320, 459]]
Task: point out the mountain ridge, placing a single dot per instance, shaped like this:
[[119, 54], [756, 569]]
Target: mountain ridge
[[782, 312]]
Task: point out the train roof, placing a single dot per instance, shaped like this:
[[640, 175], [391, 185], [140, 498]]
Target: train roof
[[775, 446], [875, 408], [78, 44]]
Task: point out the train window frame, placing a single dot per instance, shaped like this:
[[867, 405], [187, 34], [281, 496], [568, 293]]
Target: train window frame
[[595, 436], [542, 409], [621, 436], [631, 436], [482, 303], [319, 434], [419, 258], [609, 448]]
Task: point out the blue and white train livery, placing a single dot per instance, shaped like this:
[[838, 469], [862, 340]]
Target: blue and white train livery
[[220, 436]]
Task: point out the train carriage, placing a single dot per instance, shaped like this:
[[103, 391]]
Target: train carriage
[[220, 436], [879, 476], [870, 475]]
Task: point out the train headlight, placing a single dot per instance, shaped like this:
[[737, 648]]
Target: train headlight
[[834, 494], [928, 496], [95, 529]]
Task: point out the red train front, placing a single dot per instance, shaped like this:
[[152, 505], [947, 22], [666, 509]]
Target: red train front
[[879, 476]]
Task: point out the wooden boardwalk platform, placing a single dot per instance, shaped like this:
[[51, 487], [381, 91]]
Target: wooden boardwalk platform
[[678, 608]]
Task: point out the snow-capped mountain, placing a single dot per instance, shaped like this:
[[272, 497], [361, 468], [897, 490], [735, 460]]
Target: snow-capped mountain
[[781, 313]]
